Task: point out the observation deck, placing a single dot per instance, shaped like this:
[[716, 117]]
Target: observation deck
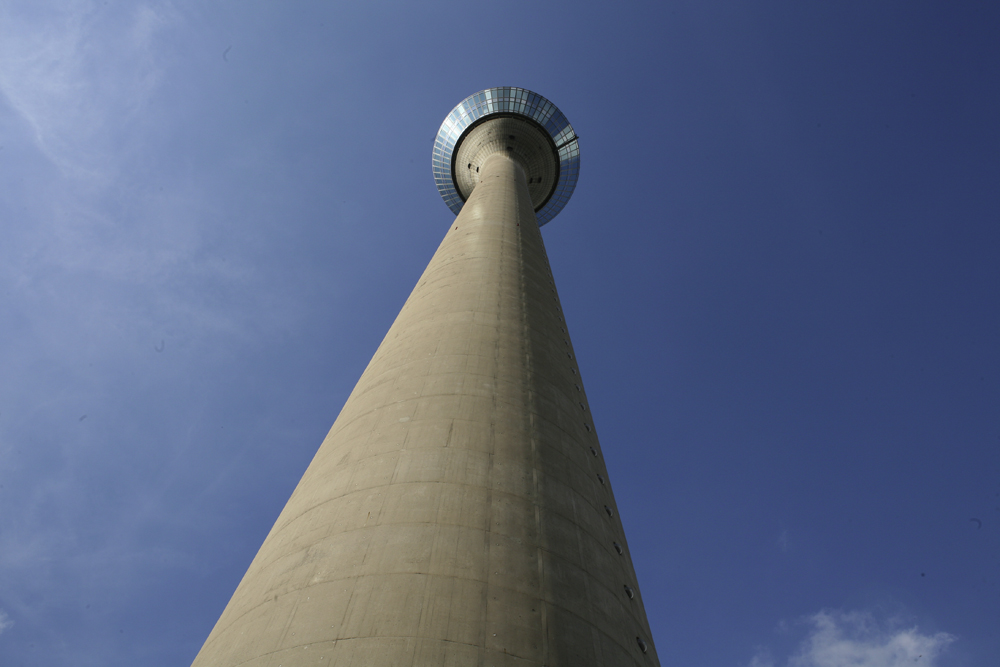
[[524, 125]]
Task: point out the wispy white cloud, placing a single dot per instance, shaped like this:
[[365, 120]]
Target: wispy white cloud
[[5, 622], [76, 71], [858, 639], [81, 74], [100, 265], [762, 658], [147, 21]]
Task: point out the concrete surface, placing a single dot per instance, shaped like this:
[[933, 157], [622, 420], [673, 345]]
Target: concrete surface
[[520, 138], [459, 511]]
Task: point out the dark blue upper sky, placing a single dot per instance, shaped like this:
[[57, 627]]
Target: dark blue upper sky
[[780, 270]]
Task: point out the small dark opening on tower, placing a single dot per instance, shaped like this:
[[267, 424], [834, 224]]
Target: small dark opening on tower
[[583, 407], [600, 479], [618, 548], [512, 137], [642, 644], [608, 510], [587, 426], [629, 592], [593, 451]]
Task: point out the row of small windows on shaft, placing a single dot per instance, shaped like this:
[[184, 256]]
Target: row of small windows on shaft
[[577, 386], [629, 592]]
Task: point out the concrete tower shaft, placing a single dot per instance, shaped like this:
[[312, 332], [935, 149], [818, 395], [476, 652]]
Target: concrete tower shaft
[[459, 511], [517, 137]]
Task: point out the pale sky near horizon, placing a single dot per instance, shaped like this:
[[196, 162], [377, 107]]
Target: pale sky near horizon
[[779, 268]]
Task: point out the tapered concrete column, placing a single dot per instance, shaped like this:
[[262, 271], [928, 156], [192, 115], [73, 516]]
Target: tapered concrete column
[[459, 511]]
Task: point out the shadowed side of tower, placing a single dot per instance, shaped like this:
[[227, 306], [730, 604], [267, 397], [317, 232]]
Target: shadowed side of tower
[[459, 511]]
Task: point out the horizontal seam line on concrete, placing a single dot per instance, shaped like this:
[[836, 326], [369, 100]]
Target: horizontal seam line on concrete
[[348, 639], [614, 591], [462, 484], [564, 608], [414, 420]]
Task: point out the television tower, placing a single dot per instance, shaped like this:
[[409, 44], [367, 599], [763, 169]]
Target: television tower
[[459, 512]]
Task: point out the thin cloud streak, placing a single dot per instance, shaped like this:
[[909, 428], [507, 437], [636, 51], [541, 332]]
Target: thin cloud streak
[[78, 83], [5, 622]]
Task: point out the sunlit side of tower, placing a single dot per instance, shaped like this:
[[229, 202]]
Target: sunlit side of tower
[[459, 511]]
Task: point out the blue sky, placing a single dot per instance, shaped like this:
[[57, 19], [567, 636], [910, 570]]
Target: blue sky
[[779, 269]]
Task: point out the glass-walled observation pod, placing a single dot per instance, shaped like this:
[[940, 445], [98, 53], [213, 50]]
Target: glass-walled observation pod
[[507, 102]]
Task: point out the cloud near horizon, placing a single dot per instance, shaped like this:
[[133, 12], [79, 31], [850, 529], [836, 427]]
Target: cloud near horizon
[[857, 639]]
